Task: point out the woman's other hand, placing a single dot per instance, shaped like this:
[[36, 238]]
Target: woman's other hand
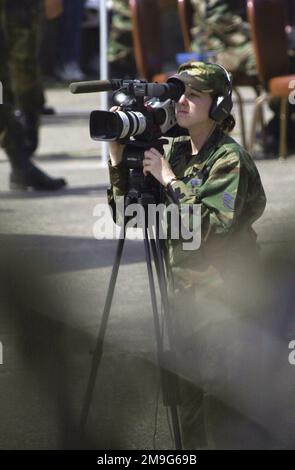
[[155, 164]]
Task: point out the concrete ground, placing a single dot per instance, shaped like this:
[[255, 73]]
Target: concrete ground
[[62, 272]]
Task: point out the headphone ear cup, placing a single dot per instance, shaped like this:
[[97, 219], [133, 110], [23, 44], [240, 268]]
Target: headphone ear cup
[[214, 106], [221, 107]]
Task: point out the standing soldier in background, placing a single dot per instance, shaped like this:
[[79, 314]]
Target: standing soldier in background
[[120, 53], [22, 88], [23, 24]]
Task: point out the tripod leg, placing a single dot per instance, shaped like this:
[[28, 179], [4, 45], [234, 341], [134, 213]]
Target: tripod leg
[[169, 380], [160, 268], [153, 294], [100, 339], [169, 384]]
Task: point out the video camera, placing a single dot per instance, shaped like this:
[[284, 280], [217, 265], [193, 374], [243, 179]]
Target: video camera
[[146, 113]]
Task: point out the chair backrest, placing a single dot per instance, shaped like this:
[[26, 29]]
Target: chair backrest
[[146, 31], [185, 12], [291, 12], [268, 19]]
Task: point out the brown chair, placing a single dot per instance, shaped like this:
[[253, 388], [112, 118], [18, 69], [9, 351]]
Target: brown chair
[[185, 11], [146, 31], [291, 12], [268, 19]]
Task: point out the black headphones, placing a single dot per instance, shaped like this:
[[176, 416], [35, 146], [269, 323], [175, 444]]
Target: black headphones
[[222, 105]]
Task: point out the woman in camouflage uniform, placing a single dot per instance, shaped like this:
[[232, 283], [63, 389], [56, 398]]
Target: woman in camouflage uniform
[[211, 169]]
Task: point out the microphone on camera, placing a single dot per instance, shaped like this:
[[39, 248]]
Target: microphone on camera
[[173, 89], [95, 86]]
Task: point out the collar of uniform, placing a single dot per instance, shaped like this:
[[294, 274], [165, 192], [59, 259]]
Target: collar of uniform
[[209, 146]]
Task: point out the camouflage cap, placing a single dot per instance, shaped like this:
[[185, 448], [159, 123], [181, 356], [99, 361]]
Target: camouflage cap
[[204, 77]]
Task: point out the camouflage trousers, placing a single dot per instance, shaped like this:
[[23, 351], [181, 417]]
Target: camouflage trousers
[[19, 75], [20, 24], [218, 357]]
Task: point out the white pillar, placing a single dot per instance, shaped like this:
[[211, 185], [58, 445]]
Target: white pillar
[[103, 29]]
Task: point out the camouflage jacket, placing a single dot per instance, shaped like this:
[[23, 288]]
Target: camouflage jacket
[[224, 180], [221, 27], [219, 24], [120, 45]]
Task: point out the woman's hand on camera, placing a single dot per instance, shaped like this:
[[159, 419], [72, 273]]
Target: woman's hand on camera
[[115, 148], [155, 164]]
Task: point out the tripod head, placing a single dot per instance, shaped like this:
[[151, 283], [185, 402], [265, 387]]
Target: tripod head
[[141, 188]]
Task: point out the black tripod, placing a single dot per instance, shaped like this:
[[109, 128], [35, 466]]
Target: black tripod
[[168, 379]]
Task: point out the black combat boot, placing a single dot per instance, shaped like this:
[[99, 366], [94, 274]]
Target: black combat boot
[[32, 177], [24, 174]]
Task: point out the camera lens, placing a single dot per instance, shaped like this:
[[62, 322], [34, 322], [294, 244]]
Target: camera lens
[[107, 125], [133, 123]]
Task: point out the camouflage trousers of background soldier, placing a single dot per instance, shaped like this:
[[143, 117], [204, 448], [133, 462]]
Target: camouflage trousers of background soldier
[[21, 21]]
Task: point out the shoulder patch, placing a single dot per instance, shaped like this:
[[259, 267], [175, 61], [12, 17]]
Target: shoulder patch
[[196, 181], [228, 201]]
